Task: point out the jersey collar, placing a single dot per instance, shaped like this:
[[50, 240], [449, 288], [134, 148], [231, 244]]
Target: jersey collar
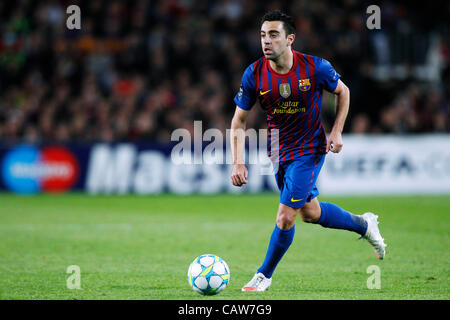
[[291, 71]]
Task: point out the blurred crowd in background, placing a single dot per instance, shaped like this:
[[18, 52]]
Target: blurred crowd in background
[[139, 69]]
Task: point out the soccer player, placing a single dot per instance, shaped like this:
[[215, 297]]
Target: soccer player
[[289, 87]]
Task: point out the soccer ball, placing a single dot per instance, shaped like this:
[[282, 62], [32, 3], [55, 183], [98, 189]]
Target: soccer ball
[[208, 274]]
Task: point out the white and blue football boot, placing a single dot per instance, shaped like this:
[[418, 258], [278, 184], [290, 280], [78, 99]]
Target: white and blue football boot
[[373, 235]]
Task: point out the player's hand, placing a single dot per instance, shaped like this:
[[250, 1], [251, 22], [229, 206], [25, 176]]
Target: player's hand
[[335, 143], [239, 175]]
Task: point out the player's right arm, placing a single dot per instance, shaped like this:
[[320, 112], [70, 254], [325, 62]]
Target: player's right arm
[[244, 99], [239, 172]]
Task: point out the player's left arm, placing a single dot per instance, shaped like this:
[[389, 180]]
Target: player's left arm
[[342, 93]]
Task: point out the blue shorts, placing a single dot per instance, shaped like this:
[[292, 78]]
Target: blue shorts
[[296, 179]]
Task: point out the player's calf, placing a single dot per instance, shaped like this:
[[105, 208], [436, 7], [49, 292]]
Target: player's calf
[[310, 212], [332, 216]]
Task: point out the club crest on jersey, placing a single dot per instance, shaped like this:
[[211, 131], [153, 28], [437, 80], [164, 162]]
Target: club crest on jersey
[[304, 84], [285, 90]]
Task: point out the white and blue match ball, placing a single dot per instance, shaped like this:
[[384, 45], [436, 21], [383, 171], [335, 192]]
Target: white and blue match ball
[[208, 274]]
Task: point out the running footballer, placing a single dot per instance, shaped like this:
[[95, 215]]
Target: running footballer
[[289, 86]]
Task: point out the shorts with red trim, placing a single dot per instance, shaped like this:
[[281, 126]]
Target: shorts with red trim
[[297, 178]]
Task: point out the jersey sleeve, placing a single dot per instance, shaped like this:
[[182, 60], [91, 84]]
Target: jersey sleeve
[[246, 97], [327, 76]]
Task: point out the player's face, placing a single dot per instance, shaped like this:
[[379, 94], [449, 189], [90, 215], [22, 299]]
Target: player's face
[[274, 41]]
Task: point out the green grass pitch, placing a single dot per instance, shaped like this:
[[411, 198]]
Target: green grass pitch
[[136, 247]]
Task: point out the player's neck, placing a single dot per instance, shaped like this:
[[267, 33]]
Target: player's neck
[[283, 63]]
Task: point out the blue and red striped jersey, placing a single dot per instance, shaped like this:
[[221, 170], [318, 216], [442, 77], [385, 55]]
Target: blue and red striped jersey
[[291, 101]]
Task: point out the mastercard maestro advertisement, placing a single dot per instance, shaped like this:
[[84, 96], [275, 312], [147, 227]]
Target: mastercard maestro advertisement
[[28, 169]]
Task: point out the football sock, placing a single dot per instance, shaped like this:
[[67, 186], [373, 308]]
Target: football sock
[[278, 245], [335, 217]]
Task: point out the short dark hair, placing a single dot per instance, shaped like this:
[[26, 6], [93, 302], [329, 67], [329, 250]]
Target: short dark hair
[[277, 15]]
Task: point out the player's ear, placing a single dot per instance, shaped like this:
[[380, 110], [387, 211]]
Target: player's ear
[[291, 39]]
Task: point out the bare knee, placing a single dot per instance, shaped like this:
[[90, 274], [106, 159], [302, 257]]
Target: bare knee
[[286, 217]]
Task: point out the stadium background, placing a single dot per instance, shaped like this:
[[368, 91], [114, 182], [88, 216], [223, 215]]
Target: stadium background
[[138, 70], [92, 110]]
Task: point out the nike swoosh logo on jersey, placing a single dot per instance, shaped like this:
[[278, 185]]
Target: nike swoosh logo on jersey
[[295, 200], [263, 93]]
